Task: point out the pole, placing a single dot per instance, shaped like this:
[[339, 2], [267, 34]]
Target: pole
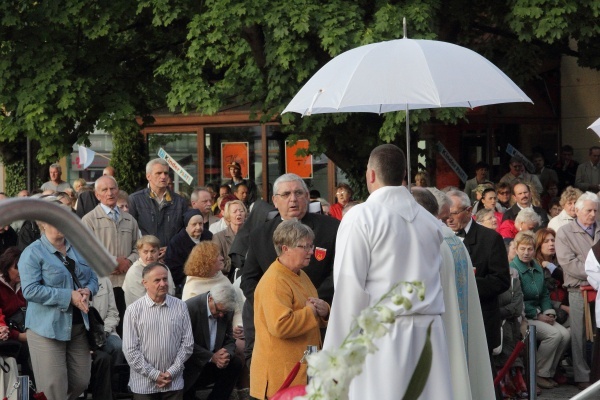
[[408, 176], [589, 393], [532, 347], [29, 188]]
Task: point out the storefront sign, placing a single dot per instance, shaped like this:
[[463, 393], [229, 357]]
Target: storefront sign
[[179, 170], [451, 161], [234, 152], [301, 165], [513, 152]]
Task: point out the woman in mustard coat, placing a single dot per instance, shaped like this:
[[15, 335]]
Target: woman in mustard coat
[[287, 313]]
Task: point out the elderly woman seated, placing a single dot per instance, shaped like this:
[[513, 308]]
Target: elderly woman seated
[[527, 220], [288, 314], [538, 310], [487, 218]]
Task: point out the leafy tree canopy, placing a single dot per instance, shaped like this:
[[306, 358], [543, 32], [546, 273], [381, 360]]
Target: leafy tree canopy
[[67, 67]]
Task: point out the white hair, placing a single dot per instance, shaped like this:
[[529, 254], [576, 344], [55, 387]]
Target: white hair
[[441, 198], [224, 295], [288, 178], [462, 196], [528, 215], [153, 162], [587, 196]]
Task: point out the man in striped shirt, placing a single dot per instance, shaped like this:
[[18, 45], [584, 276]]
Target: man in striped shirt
[[157, 339]]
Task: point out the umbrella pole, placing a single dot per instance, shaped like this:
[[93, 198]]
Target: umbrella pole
[[408, 178]]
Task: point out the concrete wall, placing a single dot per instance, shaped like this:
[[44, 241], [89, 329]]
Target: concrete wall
[[580, 105]]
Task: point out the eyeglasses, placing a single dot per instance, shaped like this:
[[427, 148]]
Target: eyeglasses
[[455, 213], [504, 193], [307, 247], [341, 192], [286, 195]]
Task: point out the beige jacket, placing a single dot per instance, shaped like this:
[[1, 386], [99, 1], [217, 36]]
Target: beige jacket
[[104, 302], [572, 247], [118, 238], [224, 239]]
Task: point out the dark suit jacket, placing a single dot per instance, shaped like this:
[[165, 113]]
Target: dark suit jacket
[[199, 318], [488, 254], [86, 202], [512, 212], [261, 254], [257, 218]]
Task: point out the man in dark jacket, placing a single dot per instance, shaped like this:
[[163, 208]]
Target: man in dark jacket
[[213, 359], [158, 211], [522, 195], [490, 261], [291, 200]]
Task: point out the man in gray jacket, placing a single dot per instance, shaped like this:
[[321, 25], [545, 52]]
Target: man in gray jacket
[[573, 243], [158, 211]]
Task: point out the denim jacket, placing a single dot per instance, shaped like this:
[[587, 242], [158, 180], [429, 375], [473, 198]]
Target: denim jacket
[[47, 285]]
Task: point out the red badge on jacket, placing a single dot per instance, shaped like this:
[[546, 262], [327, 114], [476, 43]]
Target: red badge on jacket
[[320, 253]]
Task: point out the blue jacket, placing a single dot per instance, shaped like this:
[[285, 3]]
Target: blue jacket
[[47, 285]]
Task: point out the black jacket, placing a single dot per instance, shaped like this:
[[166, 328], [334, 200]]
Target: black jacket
[[489, 258], [163, 222], [178, 250], [512, 212], [261, 254]]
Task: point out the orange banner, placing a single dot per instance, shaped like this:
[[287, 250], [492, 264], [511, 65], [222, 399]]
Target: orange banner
[[234, 152], [297, 164]]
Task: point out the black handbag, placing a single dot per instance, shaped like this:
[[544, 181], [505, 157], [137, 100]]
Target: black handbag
[[95, 335], [17, 320], [10, 348]]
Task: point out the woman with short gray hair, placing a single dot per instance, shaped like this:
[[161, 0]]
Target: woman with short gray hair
[[527, 220], [288, 314]]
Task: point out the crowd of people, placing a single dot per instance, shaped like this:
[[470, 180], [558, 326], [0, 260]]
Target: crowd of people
[[227, 289]]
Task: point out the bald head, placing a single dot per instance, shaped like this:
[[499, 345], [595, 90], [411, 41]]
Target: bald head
[[110, 171]]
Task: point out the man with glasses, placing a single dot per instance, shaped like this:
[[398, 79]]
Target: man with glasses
[[518, 174], [291, 198], [587, 178], [213, 359], [490, 262]]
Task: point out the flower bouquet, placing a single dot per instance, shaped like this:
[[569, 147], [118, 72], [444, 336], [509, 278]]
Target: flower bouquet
[[331, 371]]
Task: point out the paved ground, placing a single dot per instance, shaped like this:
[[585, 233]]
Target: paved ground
[[561, 392]]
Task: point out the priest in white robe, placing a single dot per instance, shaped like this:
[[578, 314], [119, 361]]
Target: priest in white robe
[[389, 239]]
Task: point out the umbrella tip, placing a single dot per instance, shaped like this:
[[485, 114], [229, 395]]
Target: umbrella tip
[[404, 26]]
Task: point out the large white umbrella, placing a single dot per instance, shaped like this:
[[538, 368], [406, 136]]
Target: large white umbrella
[[595, 126], [405, 74]]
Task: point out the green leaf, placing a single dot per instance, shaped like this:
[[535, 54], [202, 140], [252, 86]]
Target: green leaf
[[419, 378]]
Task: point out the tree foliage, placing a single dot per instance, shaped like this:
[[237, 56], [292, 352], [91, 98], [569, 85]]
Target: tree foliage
[[68, 67]]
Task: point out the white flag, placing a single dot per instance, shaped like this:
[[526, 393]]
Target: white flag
[[86, 156]]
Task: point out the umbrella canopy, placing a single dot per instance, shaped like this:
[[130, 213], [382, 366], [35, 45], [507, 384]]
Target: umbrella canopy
[[595, 126], [405, 74]]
